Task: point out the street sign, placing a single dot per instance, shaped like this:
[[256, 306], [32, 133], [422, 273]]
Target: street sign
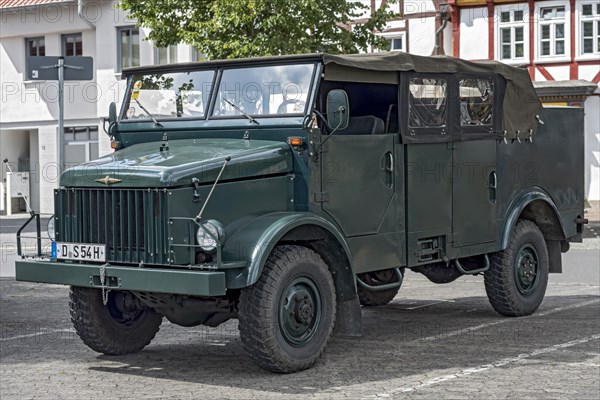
[[77, 68]]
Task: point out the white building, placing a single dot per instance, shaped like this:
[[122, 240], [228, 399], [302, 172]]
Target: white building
[[555, 47], [29, 109]]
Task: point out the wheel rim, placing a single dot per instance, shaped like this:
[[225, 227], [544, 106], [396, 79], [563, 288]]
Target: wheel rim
[[300, 311], [526, 269], [121, 309]]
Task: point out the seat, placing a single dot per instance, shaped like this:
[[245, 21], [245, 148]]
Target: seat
[[391, 121], [365, 125]]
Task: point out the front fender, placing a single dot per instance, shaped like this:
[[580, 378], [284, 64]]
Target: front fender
[[254, 242]]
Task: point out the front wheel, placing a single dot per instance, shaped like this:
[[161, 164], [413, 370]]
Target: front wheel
[[287, 317], [517, 279], [122, 326]]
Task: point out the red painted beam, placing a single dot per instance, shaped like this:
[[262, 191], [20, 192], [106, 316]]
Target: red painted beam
[[573, 68], [545, 73], [491, 28]]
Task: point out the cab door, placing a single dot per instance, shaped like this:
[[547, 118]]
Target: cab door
[[474, 178], [357, 181]]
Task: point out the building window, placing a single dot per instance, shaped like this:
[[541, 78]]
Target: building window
[[81, 145], [197, 56], [590, 28], [512, 34], [396, 43], [552, 29], [72, 45], [165, 55], [128, 47]]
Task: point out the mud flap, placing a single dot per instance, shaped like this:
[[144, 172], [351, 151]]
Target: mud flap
[[349, 318]]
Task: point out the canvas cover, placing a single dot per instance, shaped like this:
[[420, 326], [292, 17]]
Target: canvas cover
[[521, 106]]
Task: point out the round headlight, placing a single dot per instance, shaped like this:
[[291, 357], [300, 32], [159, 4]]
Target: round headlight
[[51, 232], [205, 241]]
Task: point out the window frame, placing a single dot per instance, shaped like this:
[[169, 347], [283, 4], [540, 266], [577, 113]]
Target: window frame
[[493, 130], [169, 61], [390, 36], [524, 24], [428, 134], [566, 21], [27, 55], [63, 40], [579, 20], [121, 29]]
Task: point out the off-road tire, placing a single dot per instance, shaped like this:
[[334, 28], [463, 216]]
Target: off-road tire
[[99, 330], [501, 282], [260, 322], [376, 298]]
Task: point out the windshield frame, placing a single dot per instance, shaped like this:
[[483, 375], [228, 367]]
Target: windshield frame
[[309, 97], [217, 76], [129, 89]]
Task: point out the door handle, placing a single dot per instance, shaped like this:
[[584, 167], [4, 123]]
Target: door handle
[[389, 167], [492, 186]]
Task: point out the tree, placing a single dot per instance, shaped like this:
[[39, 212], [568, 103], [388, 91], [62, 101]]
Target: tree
[[247, 28]]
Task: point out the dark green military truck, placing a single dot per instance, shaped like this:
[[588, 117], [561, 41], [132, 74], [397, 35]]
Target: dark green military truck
[[287, 191]]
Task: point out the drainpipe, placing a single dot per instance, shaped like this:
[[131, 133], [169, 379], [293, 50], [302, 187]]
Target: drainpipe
[[80, 13], [445, 16]]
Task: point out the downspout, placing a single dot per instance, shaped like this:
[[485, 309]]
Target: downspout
[[436, 49], [444, 16], [80, 13]]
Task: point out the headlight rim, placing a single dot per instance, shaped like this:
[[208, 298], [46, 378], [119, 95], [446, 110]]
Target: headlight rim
[[51, 232], [219, 229]]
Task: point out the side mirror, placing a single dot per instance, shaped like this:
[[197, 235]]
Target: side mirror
[[338, 106], [112, 113]]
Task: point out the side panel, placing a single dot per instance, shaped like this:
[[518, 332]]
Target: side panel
[[428, 195], [553, 164]]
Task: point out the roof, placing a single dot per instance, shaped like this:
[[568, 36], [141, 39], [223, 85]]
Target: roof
[[565, 88], [6, 4], [521, 105]]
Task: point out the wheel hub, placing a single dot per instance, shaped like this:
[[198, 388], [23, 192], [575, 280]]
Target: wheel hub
[[300, 311], [526, 270]]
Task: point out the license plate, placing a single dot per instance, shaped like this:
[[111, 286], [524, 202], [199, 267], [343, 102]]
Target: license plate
[[79, 251]]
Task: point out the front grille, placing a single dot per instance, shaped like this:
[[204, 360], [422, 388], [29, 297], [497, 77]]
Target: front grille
[[132, 223]]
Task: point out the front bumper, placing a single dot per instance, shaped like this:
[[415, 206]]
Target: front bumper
[[160, 280]]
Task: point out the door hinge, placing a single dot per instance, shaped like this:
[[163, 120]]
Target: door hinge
[[321, 197]]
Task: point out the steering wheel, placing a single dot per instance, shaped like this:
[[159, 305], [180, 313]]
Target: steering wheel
[[282, 107]]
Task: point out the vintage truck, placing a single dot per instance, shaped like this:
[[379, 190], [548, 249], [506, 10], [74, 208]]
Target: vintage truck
[[287, 191]]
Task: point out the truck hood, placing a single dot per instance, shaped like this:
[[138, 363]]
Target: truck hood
[[144, 165]]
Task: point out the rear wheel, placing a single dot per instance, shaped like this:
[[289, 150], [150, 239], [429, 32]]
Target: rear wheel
[[121, 326], [373, 297], [287, 317], [517, 279]]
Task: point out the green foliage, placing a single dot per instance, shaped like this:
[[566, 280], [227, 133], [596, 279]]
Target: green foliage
[[248, 28]]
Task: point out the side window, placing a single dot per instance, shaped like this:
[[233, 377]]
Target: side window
[[428, 103], [476, 102]]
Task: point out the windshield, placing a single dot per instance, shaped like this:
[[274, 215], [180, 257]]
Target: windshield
[[261, 91], [169, 95]]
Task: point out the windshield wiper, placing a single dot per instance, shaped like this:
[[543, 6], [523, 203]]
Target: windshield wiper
[[245, 114], [148, 113]]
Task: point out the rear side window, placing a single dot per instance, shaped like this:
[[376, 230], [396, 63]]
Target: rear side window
[[428, 103], [476, 102]]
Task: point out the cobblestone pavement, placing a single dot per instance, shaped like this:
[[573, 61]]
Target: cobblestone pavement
[[432, 341]]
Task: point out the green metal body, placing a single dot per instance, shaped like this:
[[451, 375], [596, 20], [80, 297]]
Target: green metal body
[[383, 200]]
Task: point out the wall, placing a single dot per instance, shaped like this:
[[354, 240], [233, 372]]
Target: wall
[[474, 33], [592, 148]]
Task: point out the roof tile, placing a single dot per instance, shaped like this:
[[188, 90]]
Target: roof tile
[[25, 3]]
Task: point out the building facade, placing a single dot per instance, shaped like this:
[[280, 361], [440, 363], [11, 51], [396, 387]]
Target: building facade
[[557, 40], [29, 109]]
